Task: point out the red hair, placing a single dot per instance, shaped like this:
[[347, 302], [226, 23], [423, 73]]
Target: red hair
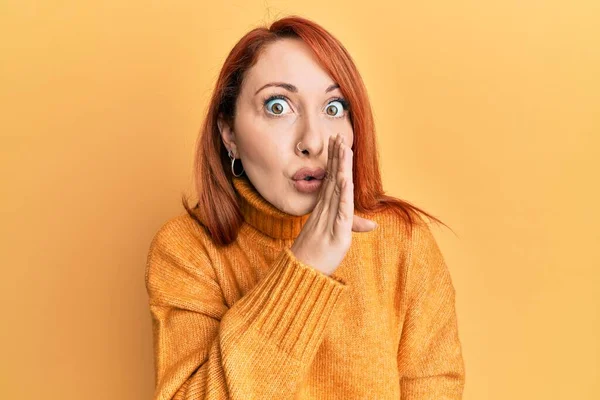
[[217, 208]]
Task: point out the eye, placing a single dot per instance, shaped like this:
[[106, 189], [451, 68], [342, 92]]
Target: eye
[[277, 105], [336, 108]]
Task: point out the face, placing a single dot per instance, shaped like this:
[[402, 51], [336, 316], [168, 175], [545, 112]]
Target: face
[[271, 120]]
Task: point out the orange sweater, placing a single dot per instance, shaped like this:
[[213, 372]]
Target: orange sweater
[[250, 321]]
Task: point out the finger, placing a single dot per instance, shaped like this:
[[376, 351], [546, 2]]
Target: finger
[[327, 169], [329, 189], [360, 224], [342, 207]]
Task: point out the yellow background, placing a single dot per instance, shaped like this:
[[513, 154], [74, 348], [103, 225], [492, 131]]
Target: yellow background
[[488, 116]]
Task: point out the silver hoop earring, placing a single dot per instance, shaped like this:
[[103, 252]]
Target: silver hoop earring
[[232, 156], [299, 147]]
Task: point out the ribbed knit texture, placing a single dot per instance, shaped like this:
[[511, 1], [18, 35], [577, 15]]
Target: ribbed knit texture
[[251, 321]]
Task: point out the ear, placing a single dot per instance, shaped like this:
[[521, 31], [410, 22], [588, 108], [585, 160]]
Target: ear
[[227, 134]]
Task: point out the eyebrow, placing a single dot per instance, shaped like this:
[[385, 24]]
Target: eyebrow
[[292, 88]]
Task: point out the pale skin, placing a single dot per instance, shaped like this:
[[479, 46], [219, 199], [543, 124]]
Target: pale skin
[[264, 136]]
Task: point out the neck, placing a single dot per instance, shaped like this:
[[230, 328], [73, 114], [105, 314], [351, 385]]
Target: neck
[[264, 216]]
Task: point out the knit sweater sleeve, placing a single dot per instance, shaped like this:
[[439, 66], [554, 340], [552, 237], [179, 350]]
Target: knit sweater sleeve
[[429, 353], [259, 348]]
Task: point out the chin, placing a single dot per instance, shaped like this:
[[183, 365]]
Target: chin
[[294, 211], [300, 207], [305, 207]]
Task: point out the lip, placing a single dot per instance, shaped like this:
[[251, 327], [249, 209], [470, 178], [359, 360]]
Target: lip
[[317, 173], [311, 186]]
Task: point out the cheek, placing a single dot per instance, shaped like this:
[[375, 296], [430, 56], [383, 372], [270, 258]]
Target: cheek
[[265, 137], [344, 126], [266, 128], [251, 133], [263, 148]]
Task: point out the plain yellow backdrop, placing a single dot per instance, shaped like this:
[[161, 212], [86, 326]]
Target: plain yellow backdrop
[[487, 113]]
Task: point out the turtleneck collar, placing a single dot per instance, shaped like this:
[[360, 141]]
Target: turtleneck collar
[[264, 216]]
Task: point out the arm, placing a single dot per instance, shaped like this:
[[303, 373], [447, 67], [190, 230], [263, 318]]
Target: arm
[[259, 348], [429, 353]]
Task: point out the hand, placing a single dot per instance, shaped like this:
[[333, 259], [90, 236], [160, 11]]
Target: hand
[[327, 233]]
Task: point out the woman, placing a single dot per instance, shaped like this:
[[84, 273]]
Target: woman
[[278, 284]]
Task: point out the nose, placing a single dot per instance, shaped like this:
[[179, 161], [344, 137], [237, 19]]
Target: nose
[[312, 139]]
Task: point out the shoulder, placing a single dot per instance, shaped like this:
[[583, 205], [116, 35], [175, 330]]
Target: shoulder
[[179, 251], [399, 224], [180, 233], [409, 233], [428, 271]]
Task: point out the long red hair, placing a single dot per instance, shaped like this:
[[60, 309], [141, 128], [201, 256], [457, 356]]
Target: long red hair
[[217, 208]]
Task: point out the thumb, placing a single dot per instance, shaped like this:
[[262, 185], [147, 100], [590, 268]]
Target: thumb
[[360, 224]]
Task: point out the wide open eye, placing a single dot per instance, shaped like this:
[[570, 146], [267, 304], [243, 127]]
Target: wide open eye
[[335, 109], [277, 105]]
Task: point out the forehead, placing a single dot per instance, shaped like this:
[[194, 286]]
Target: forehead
[[290, 61]]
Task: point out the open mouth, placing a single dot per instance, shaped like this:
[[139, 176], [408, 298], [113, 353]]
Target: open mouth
[[308, 184]]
